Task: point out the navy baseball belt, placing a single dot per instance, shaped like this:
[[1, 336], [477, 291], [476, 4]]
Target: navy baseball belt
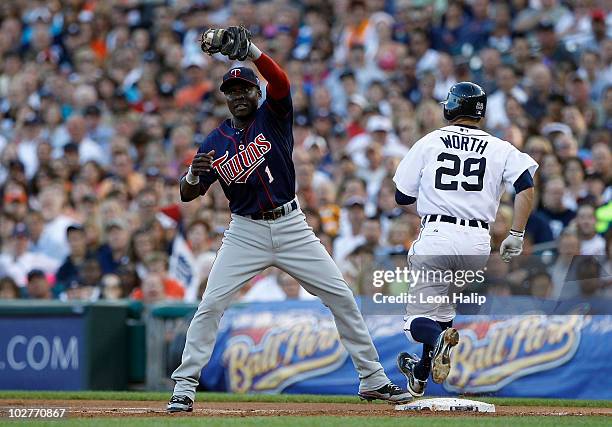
[[276, 213], [452, 220]]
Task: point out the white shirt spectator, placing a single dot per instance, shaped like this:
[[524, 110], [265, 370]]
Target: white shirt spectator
[[54, 234], [347, 241], [219, 16], [3, 171], [3, 143], [319, 178], [442, 87], [58, 138], [26, 151], [367, 74], [90, 150], [428, 62], [18, 268], [394, 148], [344, 246], [569, 200], [357, 145], [267, 289], [373, 179], [594, 246], [496, 107]]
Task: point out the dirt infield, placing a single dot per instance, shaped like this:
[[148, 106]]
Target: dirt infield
[[115, 408]]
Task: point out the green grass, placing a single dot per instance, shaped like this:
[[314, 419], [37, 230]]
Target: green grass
[[279, 398], [407, 421], [527, 401]]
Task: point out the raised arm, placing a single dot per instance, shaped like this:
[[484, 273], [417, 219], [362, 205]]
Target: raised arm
[[235, 43], [278, 82]]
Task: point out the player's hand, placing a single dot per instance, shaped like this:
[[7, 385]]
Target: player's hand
[[233, 42], [512, 246], [236, 43], [202, 163]]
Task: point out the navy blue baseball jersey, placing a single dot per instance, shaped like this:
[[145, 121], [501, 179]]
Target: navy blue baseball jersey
[[254, 165]]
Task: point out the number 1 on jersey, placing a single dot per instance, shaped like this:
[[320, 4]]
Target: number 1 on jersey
[[270, 177]]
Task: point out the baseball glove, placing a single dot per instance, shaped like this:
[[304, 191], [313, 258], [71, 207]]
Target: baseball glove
[[213, 40], [241, 42]]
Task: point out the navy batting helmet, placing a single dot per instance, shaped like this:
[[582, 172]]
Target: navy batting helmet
[[465, 99]]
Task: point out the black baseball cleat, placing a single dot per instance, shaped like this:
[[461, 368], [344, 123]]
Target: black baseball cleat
[[440, 366], [390, 392], [180, 404], [406, 364]]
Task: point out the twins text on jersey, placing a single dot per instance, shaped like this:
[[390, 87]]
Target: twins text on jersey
[[241, 165]]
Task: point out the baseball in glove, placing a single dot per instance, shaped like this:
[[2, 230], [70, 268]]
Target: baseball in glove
[[233, 42], [212, 40]]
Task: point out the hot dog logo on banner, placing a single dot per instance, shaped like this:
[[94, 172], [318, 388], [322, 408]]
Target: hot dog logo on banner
[[241, 165], [492, 354], [270, 358]]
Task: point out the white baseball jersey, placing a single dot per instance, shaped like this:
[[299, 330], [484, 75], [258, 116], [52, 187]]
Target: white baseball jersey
[[460, 171]]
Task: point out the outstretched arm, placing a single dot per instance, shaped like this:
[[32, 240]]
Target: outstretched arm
[[235, 43], [278, 82]]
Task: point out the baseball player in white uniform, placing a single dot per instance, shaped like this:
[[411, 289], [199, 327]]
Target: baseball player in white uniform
[[456, 175]]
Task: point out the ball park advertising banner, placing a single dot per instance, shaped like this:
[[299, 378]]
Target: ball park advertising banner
[[51, 345], [41, 354], [293, 347]]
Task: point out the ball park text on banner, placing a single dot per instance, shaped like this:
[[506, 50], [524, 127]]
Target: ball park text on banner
[[293, 347]]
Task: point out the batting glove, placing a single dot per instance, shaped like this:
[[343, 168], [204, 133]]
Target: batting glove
[[512, 245]]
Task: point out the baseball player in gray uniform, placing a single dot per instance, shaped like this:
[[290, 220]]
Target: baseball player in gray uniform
[[456, 175], [250, 155]]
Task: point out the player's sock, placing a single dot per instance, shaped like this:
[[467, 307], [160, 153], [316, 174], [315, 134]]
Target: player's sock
[[446, 325], [423, 367], [425, 330]]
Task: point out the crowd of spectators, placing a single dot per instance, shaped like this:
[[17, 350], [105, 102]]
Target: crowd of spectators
[[103, 105]]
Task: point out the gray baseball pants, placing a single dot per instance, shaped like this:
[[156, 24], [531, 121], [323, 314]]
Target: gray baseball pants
[[250, 246]]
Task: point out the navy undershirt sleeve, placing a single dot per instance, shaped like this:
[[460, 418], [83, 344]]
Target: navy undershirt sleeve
[[523, 182], [402, 199]]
